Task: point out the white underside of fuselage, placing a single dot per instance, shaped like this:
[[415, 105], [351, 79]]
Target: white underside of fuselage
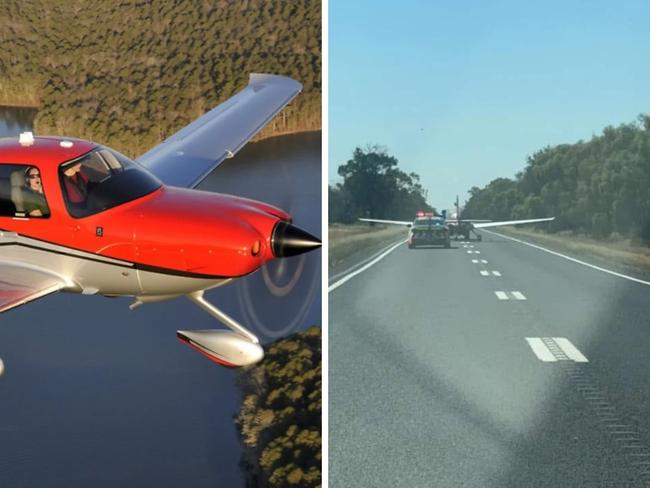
[[88, 273]]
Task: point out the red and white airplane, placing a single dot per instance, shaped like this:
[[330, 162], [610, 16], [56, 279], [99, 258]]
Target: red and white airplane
[[79, 217]]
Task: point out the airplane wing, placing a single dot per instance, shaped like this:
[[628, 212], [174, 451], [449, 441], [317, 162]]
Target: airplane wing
[[396, 222], [20, 283], [472, 221], [189, 155], [510, 222]]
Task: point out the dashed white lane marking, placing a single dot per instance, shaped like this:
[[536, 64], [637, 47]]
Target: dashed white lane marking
[[475, 261], [470, 252], [471, 247], [598, 268], [541, 351], [348, 277], [570, 350], [477, 252], [487, 273], [551, 349], [483, 261], [505, 295]]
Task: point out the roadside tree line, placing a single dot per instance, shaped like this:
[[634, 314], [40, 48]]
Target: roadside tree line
[[373, 186], [599, 188]]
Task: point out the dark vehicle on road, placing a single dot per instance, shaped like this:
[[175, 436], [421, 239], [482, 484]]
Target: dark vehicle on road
[[429, 230]]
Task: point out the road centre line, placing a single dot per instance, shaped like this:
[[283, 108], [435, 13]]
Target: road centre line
[[578, 261], [541, 351], [570, 350], [551, 349], [378, 257], [503, 295]]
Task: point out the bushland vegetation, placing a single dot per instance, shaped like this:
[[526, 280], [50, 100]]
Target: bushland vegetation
[[130, 73], [374, 187], [280, 419], [598, 188]]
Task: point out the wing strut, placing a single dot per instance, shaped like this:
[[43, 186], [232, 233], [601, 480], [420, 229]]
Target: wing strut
[[228, 321]]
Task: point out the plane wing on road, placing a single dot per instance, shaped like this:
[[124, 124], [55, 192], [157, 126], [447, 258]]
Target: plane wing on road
[[478, 224], [396, 222], [482, 225]]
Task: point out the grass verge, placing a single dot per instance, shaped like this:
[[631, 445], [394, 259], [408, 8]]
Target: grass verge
[[346, 242], [616, 253]]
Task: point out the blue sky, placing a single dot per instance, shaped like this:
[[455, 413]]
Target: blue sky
[[462, 92]]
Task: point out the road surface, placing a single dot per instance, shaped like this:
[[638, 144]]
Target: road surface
[[491, 365]]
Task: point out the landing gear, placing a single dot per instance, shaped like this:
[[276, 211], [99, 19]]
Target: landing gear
[[237, 348], [197, 297]]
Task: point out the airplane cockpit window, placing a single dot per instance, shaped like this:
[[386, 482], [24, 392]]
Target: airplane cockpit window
[[21, 192], [103, 179]]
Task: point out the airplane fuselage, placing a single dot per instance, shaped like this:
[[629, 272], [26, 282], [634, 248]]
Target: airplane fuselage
[[169, 241]]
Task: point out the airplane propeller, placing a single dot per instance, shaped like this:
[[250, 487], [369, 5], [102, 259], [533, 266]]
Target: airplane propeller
[[282, 296], [289, 240]]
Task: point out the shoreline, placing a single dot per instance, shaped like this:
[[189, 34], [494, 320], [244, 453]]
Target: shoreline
[[257, 137], [19, 105]]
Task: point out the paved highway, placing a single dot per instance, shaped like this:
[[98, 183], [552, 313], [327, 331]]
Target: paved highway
[[443, 373]]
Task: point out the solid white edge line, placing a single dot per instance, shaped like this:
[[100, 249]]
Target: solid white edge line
[[347, 278], [335, 278], [578, 261], [570, 350], [541, 351]]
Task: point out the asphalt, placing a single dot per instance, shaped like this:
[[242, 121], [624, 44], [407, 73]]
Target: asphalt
[[432, 382]]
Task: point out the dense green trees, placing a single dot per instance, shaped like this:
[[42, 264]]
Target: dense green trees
[[600, 188], [374, 187], [280, 419], [132, 72]]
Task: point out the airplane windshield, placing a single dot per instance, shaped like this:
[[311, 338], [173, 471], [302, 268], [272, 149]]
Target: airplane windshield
[[103, 179]]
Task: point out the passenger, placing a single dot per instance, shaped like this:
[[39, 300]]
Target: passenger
[[76, 183], [34, 199]]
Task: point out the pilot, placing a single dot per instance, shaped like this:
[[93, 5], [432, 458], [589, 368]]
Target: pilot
[[76, 183], [34, 199]]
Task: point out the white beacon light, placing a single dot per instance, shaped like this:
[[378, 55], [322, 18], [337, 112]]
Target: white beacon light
[[26, 138]]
